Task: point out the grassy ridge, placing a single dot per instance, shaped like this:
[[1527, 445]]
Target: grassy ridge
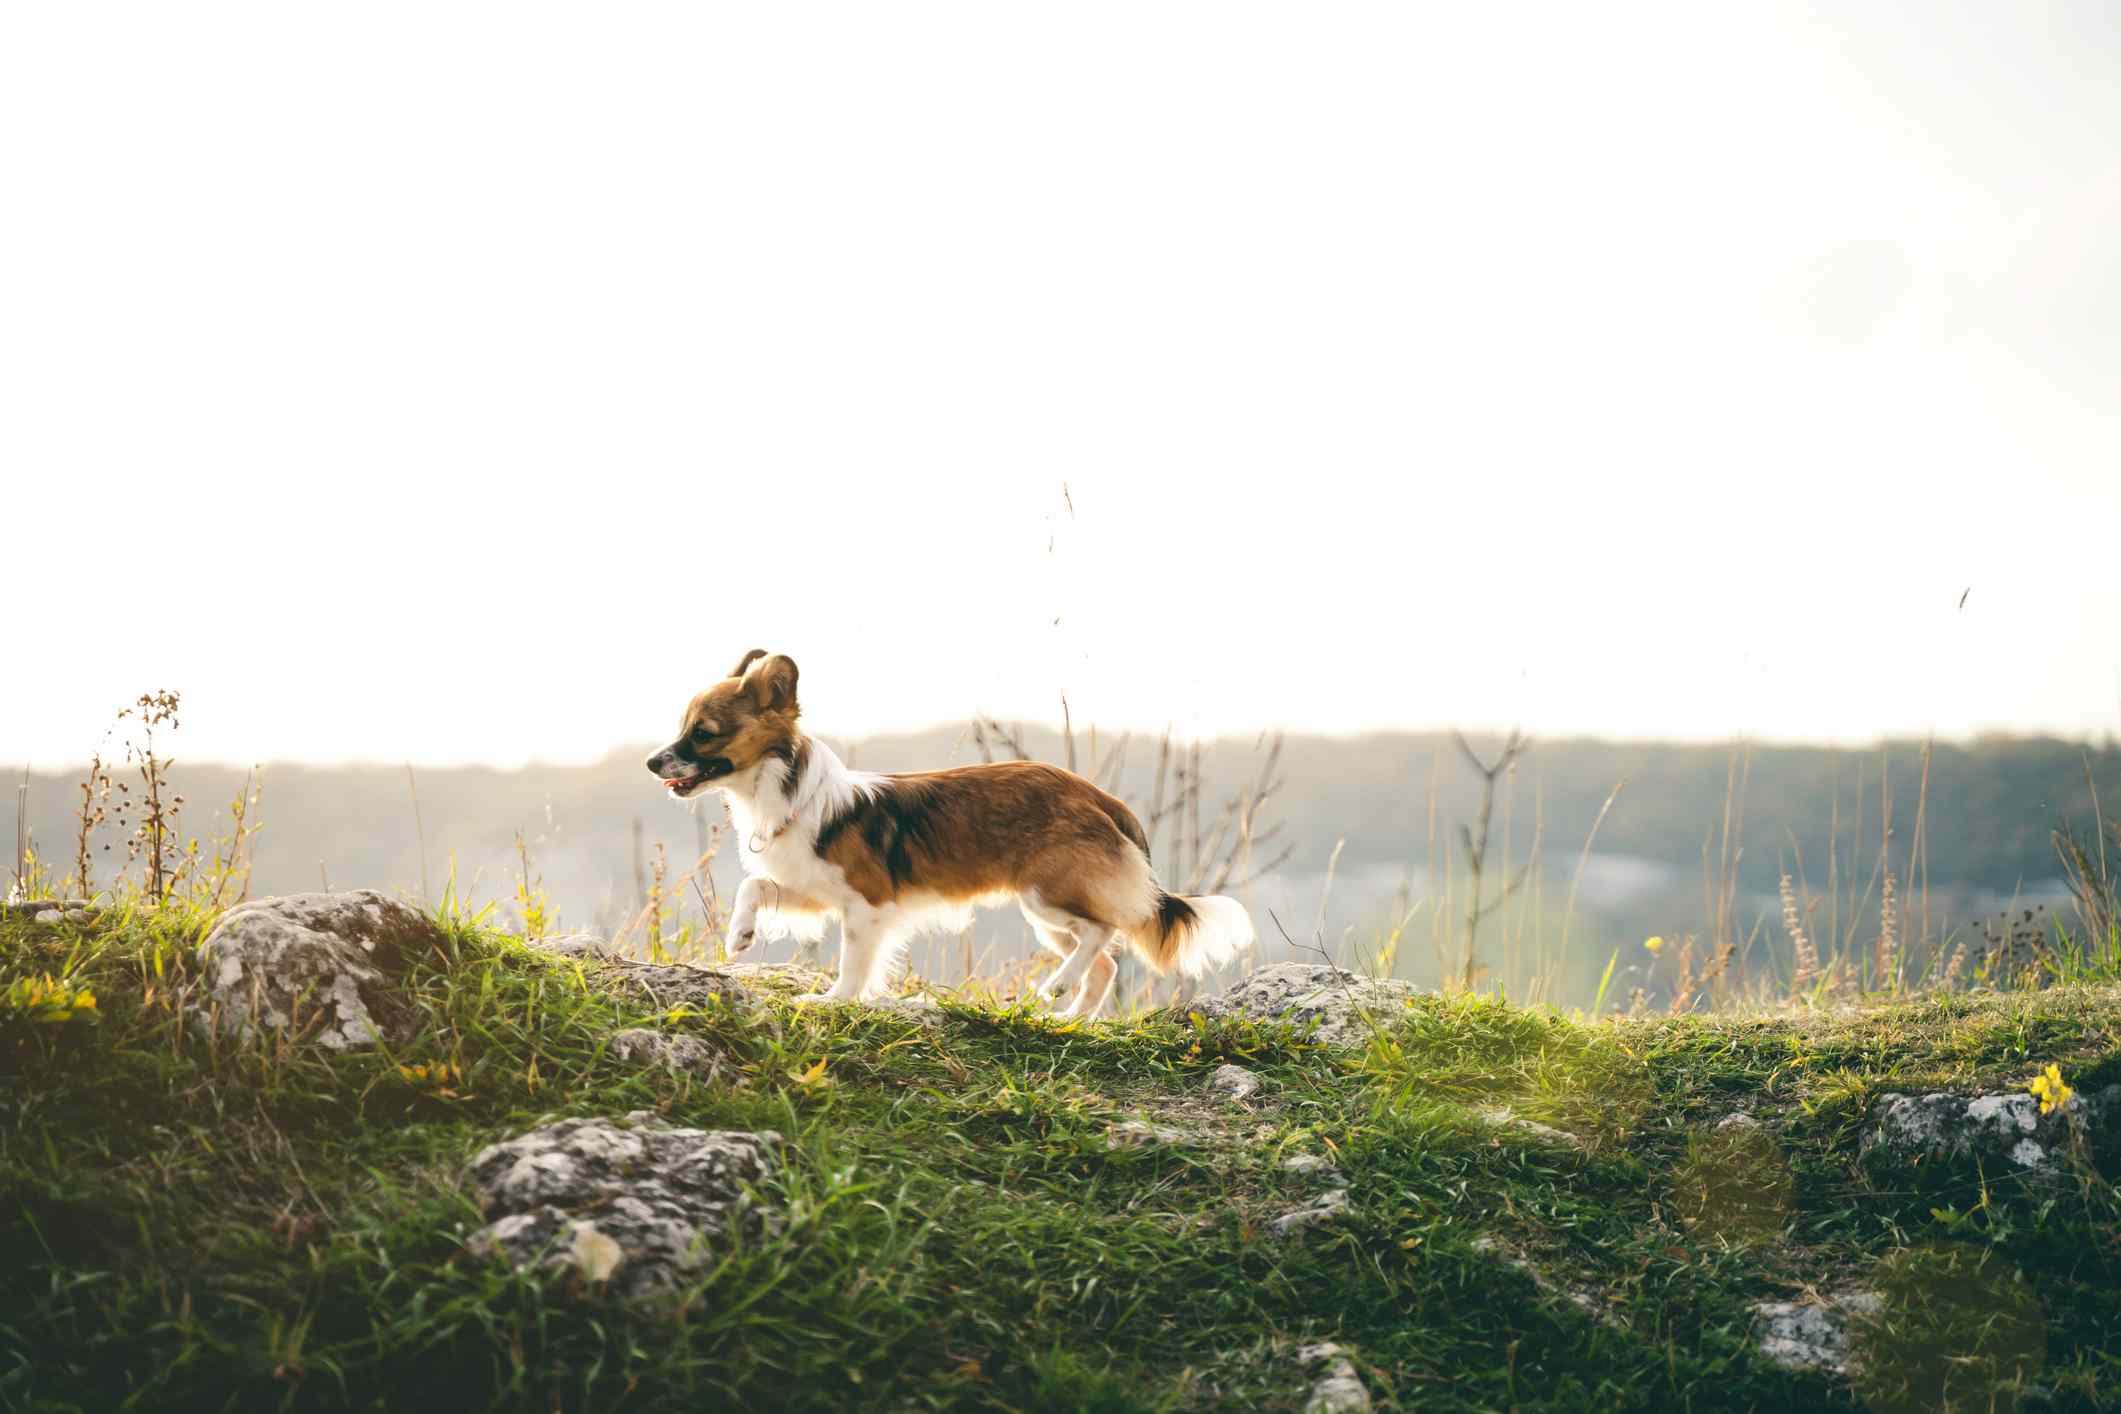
[[189, 1222]]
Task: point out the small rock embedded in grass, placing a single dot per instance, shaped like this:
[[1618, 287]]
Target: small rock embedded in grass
[[1337, 1389], [1503, 1117], [45, 910], [631, 1205], [1322, 1209], [1809, 1335], [919, 1008], [1737, 1122], [641, 1046], [325, 964], [582, 947], [1233, 1081], [1313, 1166], [1139, 1133], [1344, 1005], [1584, 1298]]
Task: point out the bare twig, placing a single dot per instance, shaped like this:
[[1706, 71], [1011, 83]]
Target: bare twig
[[1475, 841]]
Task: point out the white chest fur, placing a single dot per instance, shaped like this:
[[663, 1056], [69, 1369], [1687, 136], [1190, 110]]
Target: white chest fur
[[776, 839]]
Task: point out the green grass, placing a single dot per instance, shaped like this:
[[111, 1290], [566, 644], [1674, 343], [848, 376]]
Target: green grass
[[186, 1222]]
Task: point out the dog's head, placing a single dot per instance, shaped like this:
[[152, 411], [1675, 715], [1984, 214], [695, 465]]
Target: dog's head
[[732, 726]]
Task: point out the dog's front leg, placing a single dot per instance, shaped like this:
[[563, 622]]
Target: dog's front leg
[[744, 917], [862, 937]]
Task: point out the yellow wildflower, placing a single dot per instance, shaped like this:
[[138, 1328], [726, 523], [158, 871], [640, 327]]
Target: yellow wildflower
[[47, 999], [2049, 1086], [1655, 945]]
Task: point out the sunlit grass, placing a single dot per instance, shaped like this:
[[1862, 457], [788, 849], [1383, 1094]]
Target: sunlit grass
[[195, 1221]]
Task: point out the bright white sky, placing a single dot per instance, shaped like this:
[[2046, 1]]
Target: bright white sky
[[474, 382]]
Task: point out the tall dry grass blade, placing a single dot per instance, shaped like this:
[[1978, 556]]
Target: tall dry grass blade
[[1919, 848], [1568, 912], [419, 830]]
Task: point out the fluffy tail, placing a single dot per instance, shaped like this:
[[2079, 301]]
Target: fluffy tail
[[1191, 934]]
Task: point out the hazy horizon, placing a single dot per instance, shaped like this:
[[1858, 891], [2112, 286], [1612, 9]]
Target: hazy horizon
[[1144, 738]]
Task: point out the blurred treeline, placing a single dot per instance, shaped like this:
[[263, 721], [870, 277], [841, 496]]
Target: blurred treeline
[[1392, 803]]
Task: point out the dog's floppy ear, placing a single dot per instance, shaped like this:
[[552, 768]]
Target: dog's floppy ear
[[746, 661], [772, 683]]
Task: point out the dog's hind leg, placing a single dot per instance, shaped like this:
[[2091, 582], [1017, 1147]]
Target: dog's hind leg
[[1090, 941], [1051, 936], [1097, 985]]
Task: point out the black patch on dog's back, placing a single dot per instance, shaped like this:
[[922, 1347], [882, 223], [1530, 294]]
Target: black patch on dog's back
[[892, 820]]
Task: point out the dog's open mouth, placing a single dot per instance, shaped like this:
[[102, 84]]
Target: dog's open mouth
[[686, 786]]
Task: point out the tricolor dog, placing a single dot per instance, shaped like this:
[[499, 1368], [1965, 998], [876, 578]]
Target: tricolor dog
[[891, 855]]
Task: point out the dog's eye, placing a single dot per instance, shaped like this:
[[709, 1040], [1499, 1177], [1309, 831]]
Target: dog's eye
[[701, 733]]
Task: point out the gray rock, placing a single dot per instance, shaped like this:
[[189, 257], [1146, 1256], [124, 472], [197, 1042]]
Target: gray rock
[[583, 947], [919, 1008], [50, 918], [669, 984], [1344, 1004], [1503, 1117], [631, 1206], [1234, 1081], [1336, 1388], [1738, 1122], [1139, 1133], [31, 908], [1314, 1166], [664, 985], [2006, 1129], [1322, 1209], [1584, 1298], [324, 964], [792, 977], [641, 1046], [1810, 1335]]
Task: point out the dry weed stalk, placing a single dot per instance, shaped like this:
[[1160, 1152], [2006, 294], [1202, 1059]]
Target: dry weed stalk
[[154, 812], [1683, 992], [2091, 882], [1807, 956], [1475, 841], [234, 854], [95, 802], [1888, 934]]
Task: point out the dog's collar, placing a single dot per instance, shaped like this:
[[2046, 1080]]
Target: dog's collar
[[760, 845]]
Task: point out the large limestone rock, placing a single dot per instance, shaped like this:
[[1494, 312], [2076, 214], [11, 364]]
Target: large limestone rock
[[2004, 1133], [631, 1206], [325, 964], [1344, 1004]]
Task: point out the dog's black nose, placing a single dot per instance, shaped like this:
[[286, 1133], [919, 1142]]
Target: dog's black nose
[[657, 762]]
